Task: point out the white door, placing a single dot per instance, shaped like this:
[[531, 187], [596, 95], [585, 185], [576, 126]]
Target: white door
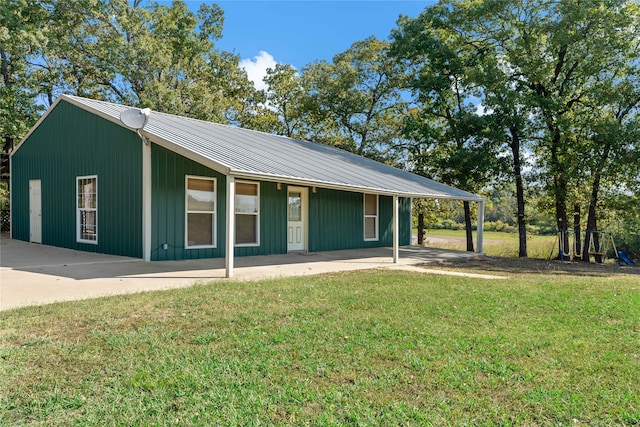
[[35, 211], [297, 219]]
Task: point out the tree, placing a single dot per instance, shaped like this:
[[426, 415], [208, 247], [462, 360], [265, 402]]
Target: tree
[[22, 33], [508, 111], [355, 101], [558, 53], [509, 117], [611, 157], [452, 142], [537, 63], [156, 56], [286, 97]]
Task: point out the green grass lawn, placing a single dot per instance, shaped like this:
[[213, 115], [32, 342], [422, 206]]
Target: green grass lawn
[[364, 348], [495, 243]]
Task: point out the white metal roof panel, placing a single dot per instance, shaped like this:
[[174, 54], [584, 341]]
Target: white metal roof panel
[[247, 153]]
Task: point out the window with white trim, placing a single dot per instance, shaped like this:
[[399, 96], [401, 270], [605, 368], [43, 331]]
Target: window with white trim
[[370, 217], [200, 217], [87, 209], [247, 205]]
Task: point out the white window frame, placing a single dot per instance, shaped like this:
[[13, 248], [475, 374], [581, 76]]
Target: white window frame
[[214, 228], [256, 214], [376, 216], [79, 211]]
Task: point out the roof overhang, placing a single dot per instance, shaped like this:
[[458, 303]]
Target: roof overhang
[[352, 188]]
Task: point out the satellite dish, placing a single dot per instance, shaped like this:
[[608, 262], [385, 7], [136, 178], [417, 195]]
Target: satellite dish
[[135, 118]]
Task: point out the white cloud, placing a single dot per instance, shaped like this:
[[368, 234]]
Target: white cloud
[[256, 68]]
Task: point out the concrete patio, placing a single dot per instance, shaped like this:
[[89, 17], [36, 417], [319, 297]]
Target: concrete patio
[[33, 274]]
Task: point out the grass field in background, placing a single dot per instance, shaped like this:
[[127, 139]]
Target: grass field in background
[[363, 348], [495, 243]]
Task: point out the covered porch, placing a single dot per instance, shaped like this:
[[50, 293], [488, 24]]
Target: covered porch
[[395, 254], [34, 274]]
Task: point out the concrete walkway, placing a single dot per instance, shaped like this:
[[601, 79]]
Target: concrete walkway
[[33, 274]]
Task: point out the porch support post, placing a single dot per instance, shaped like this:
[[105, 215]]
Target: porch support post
[[480, 230], [11, 217], [231, 226], [396, 228], [146, 199]]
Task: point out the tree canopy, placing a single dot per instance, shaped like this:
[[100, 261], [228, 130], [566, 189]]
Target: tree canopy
[[554, 76], [356, 99], [21, 35], [152, 55]]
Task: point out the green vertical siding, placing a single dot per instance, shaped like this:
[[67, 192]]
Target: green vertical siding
[[168, 211], [273, 222], [168, 206], [336, 221], [71, 142]]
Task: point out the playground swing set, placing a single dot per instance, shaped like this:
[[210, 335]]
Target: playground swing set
[[601, 244]]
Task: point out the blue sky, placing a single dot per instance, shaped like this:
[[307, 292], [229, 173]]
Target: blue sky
[[299, 32]]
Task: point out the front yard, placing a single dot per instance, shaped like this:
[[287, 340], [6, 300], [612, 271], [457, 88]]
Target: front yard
[[363, 348], [498, 244]]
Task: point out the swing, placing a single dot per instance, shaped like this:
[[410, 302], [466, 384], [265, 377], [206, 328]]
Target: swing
[[601, 247], [572, 251], [598, 247], [577, 250]]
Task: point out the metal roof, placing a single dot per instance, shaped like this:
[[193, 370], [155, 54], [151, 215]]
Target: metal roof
[[246, 153]]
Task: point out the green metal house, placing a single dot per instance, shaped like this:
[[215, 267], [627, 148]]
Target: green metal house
[[180, 188]]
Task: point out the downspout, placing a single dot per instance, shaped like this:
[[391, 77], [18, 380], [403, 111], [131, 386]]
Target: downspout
[[146, 198]]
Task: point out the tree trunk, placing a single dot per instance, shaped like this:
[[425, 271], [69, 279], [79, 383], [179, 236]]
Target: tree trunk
[[561, 214], [560, 192], [517, 170], [576, 229], [4, 69], [560, 179], [5, 150], [7, 147], [591, 227], [522, 223], [468, 226], [592, 220], [421, 228], [592, 223]]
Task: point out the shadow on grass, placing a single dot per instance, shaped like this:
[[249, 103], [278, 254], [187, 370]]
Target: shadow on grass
[[538, 266]]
